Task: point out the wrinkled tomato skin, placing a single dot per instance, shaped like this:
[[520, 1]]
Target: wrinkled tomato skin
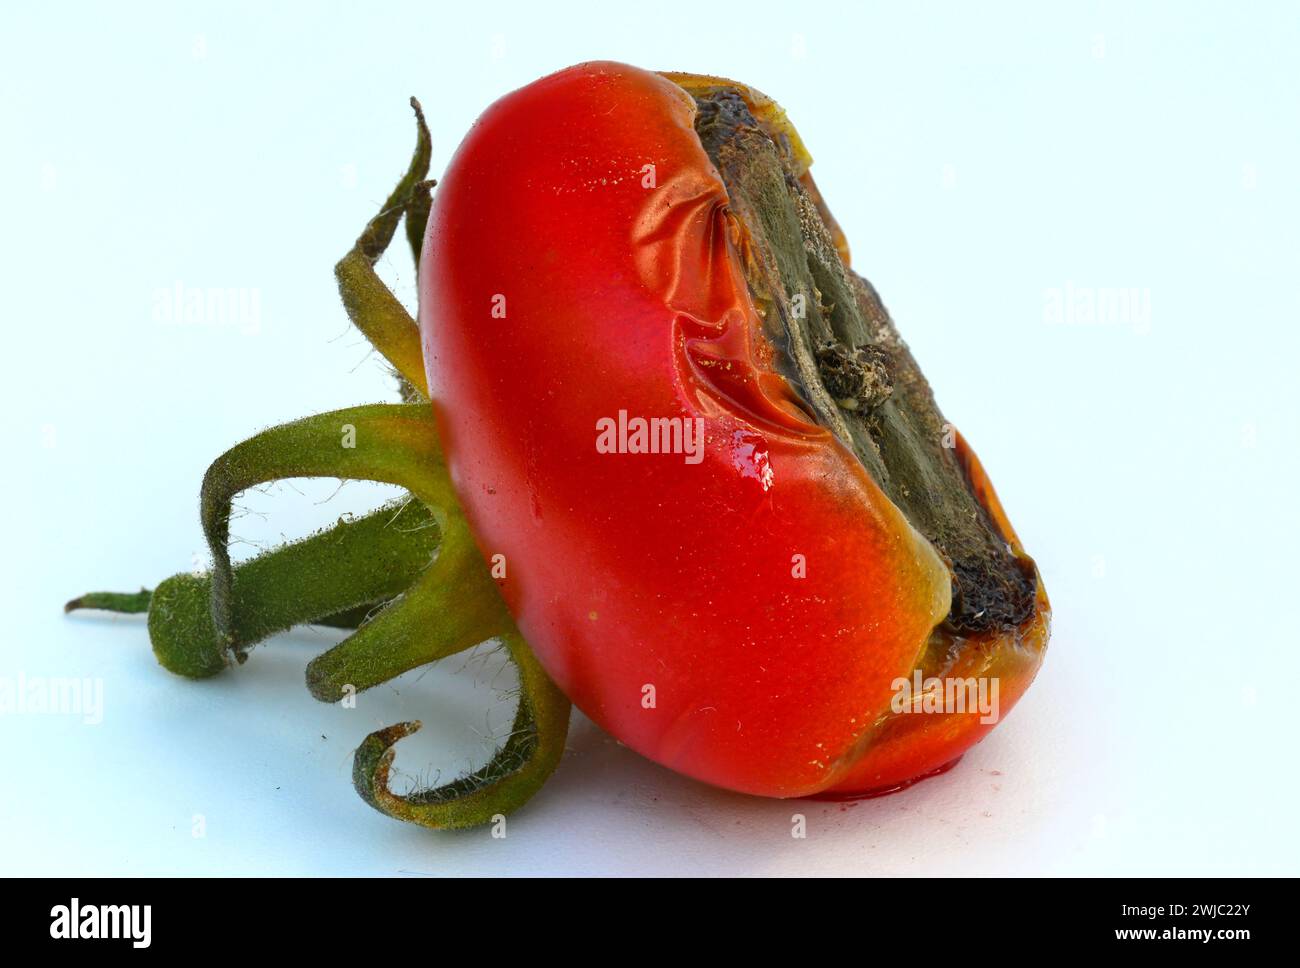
[[906, 747], [664, 597]]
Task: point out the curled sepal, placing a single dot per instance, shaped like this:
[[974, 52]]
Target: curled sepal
[[370, 304], [516, 771], [417, 217], [390, 443], [454, 605]]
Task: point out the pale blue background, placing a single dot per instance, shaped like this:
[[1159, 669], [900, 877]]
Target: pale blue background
[[979, 156]]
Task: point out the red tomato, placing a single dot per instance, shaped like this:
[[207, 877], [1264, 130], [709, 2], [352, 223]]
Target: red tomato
[[741, 618]]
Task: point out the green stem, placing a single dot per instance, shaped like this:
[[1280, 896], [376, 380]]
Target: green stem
[[127, 603], [335, 577]]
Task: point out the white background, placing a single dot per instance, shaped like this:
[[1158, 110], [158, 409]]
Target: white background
[[980, 158]]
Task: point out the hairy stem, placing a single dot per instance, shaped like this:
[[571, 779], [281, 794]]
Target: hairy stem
[[335, 577], [127, 603]]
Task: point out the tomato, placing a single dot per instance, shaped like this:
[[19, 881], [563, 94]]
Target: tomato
[[739, 611]]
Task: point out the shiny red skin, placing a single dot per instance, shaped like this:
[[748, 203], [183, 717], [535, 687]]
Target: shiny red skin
[[628, 571]]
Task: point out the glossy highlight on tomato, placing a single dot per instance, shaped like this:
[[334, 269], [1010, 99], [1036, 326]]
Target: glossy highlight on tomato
[[742, 619], [656, 440]]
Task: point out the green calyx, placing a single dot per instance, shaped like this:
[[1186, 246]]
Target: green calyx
[[407, 577]]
